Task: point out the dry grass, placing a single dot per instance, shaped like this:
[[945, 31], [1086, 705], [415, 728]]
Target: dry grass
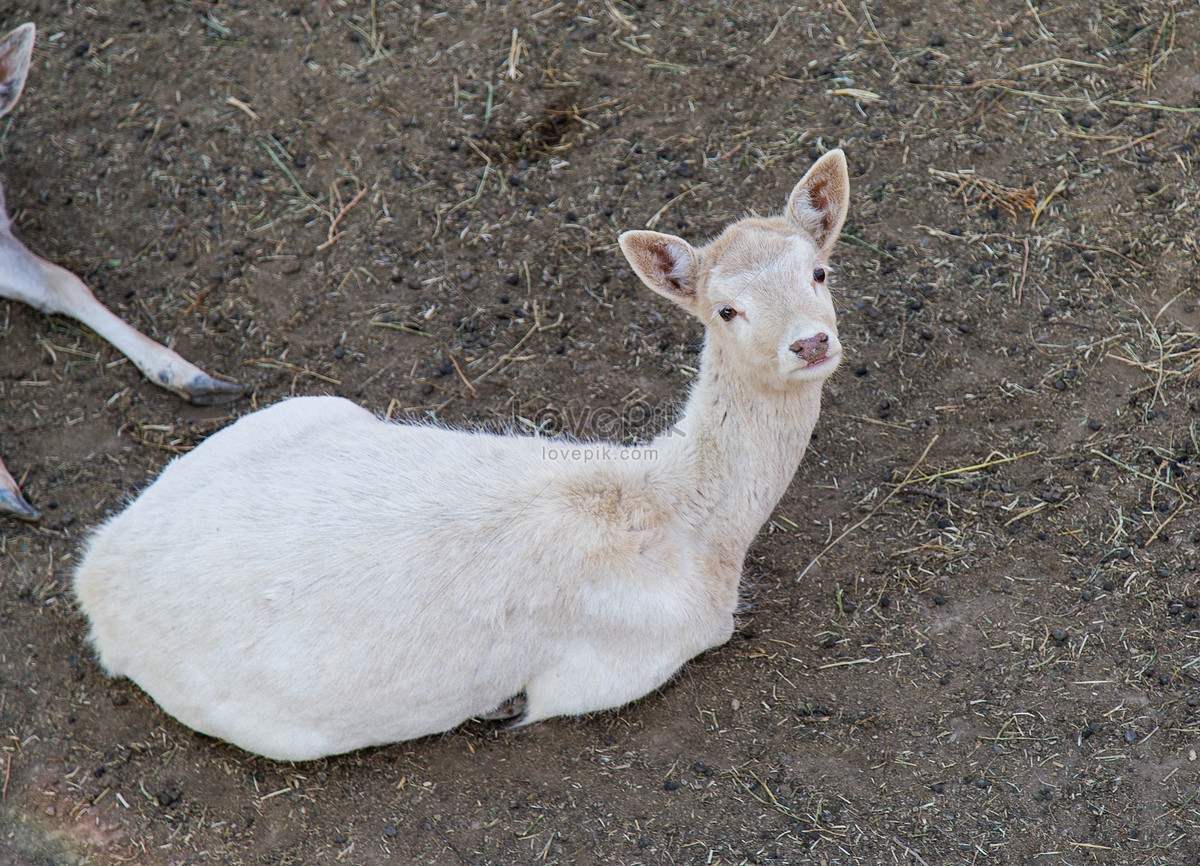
[[981, 192]]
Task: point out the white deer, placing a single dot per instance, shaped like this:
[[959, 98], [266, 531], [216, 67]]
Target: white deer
[[47, 287], [312, 579]]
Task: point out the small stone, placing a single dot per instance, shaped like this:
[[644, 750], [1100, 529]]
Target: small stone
[[1130, 736], [389, 830], [1059, 634], [670, 785]]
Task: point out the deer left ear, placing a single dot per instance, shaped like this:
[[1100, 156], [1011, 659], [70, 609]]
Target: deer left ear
[[16, 49], [821, 199]]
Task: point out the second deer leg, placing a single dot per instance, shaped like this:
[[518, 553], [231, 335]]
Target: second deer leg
[[51, 289]]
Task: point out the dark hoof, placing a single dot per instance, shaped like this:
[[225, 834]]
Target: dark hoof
[[513, 708], [12, 502], [212, 392]]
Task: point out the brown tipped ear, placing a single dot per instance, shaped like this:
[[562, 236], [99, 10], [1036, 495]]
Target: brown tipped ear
[[665, 263], [820, 201], [15, 51]]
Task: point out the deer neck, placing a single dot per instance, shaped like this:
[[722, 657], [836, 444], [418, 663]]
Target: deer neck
[[733, 452]]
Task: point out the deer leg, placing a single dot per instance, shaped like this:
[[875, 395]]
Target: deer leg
[[51, 289], [11, 500]]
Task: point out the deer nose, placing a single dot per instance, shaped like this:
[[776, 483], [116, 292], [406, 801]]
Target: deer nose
[[812, 348]]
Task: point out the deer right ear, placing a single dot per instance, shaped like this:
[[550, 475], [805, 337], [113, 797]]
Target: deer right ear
[[15, 51], [665, 263]]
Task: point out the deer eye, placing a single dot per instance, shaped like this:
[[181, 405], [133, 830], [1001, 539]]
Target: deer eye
[[819, 275], [727, 313]]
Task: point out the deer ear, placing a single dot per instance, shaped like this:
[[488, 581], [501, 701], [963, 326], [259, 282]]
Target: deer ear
[[15, 51], [821, 199], [665, 263]]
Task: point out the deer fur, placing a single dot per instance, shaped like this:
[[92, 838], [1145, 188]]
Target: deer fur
[[312, 579], [51, 289]]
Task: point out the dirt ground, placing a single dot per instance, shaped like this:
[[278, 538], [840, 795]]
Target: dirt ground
[[415, 205]]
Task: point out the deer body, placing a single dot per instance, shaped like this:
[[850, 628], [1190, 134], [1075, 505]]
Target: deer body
[[466, 579], [49, 288], [312, 579]]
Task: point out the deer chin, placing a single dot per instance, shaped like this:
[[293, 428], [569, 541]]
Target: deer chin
[[817, 370]]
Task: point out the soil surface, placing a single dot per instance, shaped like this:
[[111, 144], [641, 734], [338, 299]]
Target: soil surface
[[415, 205]]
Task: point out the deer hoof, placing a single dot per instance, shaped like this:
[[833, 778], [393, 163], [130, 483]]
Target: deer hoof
[[513, 708], [208, 391], [12, 502]]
